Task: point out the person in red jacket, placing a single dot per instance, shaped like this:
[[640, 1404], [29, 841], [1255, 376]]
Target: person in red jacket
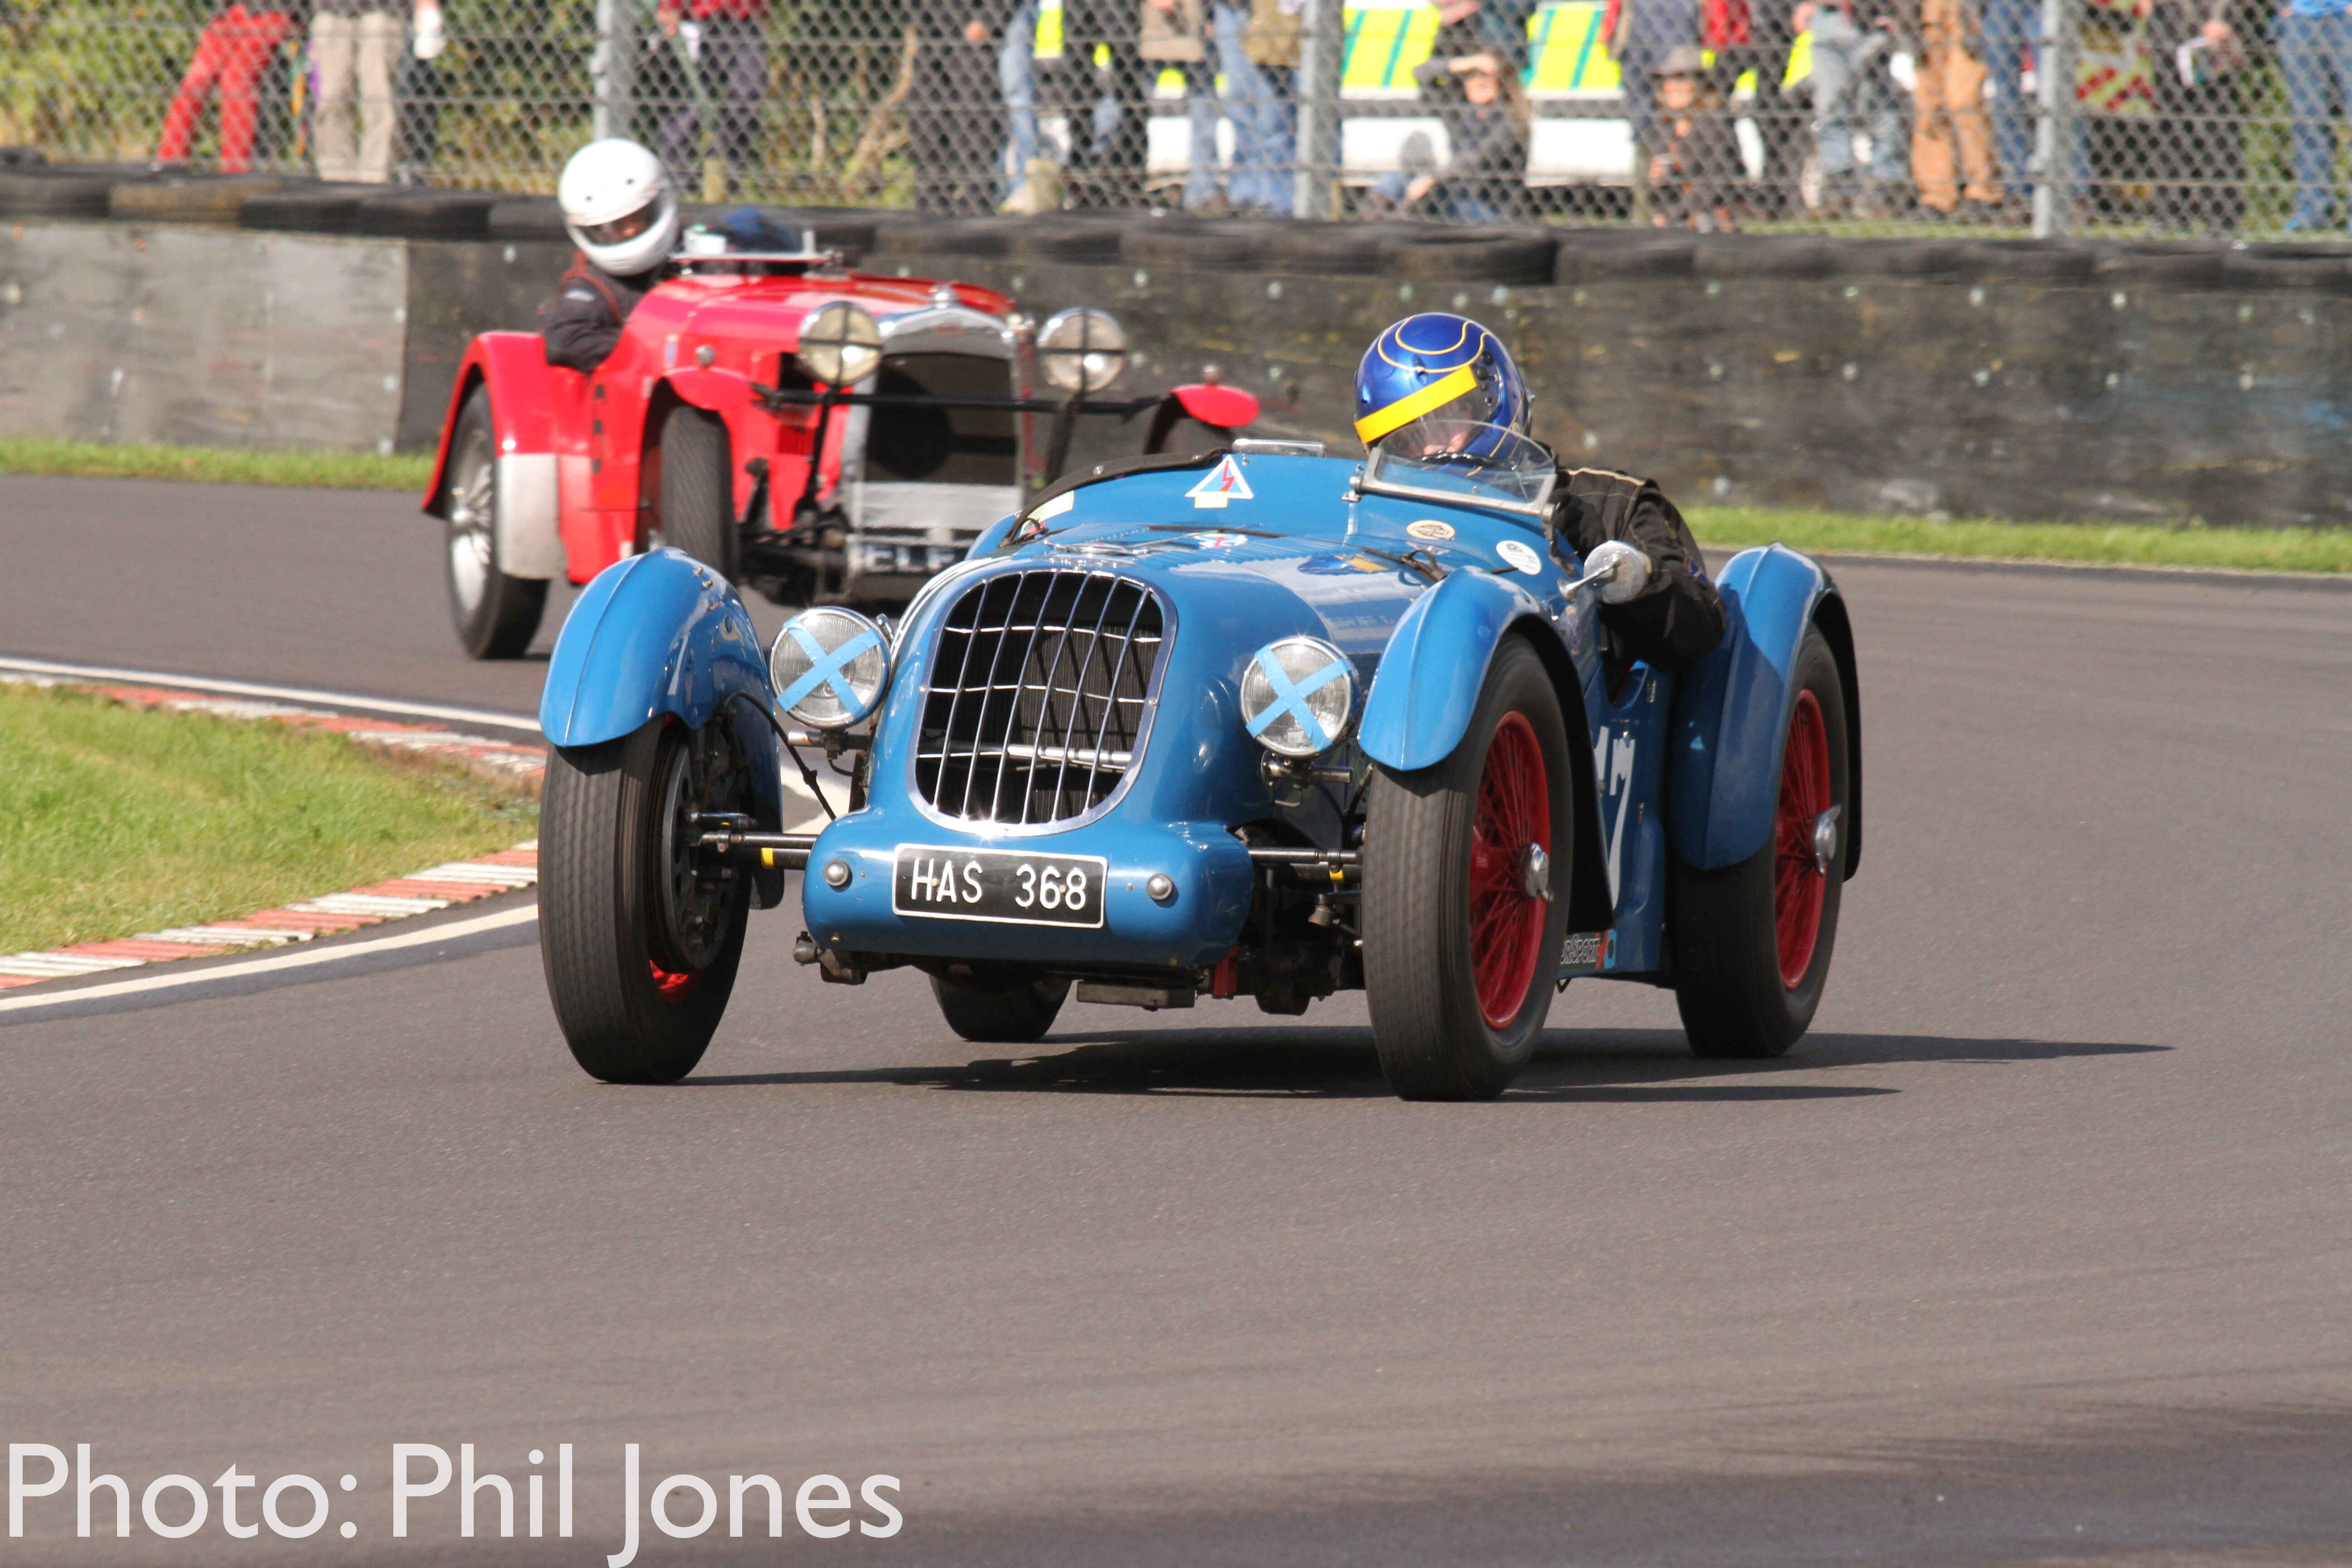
[[232, 53]]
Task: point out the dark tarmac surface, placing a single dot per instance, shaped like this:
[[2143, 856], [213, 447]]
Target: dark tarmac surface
[[2037, 1251]]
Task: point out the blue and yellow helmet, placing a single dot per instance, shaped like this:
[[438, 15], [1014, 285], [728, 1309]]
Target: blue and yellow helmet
[[1435, 364]]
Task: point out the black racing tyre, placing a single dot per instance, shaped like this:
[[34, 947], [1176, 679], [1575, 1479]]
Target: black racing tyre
[[528, 217], [1752, 942], [495, 616], [697, 496], [39, 192], [1521, 257], [999, 1009], [640, 932], [417, 213], [305, 208], [1461, 942]]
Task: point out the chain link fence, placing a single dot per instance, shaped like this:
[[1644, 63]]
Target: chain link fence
[[2128, 117]]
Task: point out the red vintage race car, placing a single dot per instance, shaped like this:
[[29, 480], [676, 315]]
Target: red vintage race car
[[824, 436]]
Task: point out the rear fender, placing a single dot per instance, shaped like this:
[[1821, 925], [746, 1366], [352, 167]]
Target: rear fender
[[1731, 711], [657, 634], [513, 366]]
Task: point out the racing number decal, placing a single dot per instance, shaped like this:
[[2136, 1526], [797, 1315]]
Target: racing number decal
[[1613, 775]]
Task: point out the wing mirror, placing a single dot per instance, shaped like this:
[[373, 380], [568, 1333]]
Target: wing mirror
[[1617, 569]]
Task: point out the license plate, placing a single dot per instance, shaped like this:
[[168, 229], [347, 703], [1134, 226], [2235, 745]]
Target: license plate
[[889, 559], [998, 884]]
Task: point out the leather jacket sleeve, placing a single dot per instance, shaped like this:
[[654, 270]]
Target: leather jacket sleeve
[[1677, 619], [579, 325]]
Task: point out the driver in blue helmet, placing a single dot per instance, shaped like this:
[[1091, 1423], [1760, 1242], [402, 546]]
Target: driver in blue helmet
[[1445, 388]]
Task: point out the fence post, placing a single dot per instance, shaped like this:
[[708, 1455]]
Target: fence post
[[614, 66], [2053, 120], [1321, 41]]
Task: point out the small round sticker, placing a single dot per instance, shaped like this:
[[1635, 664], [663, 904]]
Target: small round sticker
[[1520, 556], [1429, 528]]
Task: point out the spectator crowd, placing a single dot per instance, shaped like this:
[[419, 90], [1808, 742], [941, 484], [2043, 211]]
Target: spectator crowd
[[1900, 109]]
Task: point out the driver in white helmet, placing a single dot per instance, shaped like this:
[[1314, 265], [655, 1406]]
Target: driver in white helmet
[[621, 212]]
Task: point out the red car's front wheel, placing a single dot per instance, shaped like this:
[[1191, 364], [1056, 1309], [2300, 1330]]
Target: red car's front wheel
[[1465, 892]]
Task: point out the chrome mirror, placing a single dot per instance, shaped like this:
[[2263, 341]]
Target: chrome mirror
[[1617, 569]]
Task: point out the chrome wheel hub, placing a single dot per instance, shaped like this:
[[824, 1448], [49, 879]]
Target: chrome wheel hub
[[1825, 841], [1535, 872], [471, 518]]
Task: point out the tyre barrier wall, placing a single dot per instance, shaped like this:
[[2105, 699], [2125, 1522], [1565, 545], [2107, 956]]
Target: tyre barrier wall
[[1966, 377]]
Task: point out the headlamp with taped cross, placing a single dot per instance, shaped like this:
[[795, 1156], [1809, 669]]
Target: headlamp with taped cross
[[1299, 697], [830, 666]]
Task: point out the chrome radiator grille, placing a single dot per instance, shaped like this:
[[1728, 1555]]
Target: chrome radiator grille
[[1037, 695]]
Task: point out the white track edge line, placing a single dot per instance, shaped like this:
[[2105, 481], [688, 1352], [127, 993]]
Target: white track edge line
[[792, 787], [275, 962], [290, 693]]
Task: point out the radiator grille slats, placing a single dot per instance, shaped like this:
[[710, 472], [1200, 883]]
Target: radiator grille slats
[[1037, 695]]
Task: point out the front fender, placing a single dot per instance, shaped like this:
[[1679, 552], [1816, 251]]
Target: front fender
[[658, 633], [513, 367], [716, 390], [1731, 711], [1435, 666]]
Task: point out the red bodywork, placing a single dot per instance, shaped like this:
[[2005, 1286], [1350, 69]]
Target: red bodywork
[[603, 428]]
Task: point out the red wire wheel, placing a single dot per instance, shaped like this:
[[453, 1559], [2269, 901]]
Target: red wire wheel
[[1753, 939], [672, 989], [1507, 922], [1799, 885], [1458, 957], [640, 947]]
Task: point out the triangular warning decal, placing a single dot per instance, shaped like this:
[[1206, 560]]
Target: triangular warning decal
[[1224, 483]]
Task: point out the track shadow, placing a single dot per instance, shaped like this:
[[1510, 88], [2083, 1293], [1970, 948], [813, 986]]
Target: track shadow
[[1626, 1066]]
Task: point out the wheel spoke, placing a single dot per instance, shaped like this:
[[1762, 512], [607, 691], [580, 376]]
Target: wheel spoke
[[1799, 886], [1506, 923]]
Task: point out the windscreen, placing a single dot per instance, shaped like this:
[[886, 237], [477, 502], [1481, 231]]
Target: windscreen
[[1462, 461]]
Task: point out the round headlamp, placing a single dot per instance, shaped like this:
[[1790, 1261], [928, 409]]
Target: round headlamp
[[830, 668], [840, 345], [1082, 351], [1299, 696]]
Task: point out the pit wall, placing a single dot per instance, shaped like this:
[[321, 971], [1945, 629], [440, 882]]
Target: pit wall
[[1967, 378]]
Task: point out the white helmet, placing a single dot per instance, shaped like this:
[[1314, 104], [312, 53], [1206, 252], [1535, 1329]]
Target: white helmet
[[618, 207]]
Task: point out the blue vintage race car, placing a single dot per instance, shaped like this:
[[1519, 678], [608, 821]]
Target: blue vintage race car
[[1257, 722]]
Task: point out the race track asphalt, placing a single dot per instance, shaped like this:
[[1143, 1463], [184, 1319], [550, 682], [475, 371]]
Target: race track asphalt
[[2039, 1249]]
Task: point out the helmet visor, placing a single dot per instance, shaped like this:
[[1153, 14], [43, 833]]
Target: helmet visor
[[1483, 402], [1440, 456], [627, 226]]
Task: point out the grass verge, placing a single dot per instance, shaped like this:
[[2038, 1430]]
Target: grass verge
[[217, 465], [115, 819], [2317, 550]]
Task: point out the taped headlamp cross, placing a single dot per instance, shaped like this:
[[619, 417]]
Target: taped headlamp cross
[[825, 667], [1291, 698]]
